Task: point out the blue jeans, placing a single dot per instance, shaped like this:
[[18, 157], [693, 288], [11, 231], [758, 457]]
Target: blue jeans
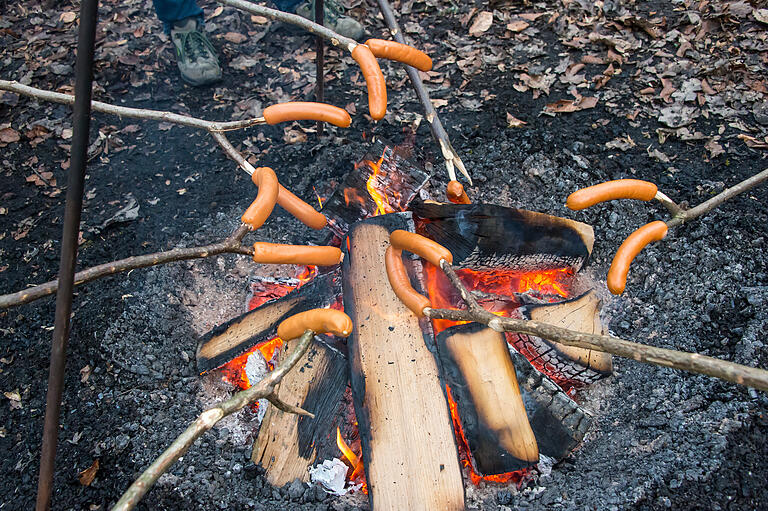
[[175, 10]]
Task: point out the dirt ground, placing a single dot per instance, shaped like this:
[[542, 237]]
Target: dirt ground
[[540, 99]]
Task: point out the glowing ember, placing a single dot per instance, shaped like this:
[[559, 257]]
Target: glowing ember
[[234, 370]]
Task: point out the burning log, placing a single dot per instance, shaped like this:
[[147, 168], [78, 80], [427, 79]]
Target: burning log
[[289, 444], [408, 445], [239, 334], [479, 371], [566, 363]]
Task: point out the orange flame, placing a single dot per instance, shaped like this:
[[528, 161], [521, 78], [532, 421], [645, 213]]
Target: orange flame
[[319, 199], [234, 371], [353, 459], [382, 204]]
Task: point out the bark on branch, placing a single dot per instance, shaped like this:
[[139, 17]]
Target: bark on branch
[[691, 362], [230, 245], [206, 420]]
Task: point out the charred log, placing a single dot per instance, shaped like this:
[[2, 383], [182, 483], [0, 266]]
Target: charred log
[[238, 335], [288, 444], [486, 236], [409, 452], [481, 375], [566, 363]]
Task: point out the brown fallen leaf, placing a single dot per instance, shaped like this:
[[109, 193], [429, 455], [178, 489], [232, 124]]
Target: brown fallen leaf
[[517, 25], [761, 15], [482, 23], [570, 105], [87, 476], [754, 142], [531, 16], [15, 399], [9, 136], [514, 122], [714, 148], [235, 37], [294, 136], [68, 17]]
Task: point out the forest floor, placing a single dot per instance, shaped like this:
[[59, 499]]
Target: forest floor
[[539, 98]]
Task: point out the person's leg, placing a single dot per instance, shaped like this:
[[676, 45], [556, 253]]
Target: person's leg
[[333, 13], [195, 55], [170, 11]]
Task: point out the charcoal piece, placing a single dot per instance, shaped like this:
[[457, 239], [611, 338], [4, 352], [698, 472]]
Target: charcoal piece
[[409, 452], [487, 237], [240, 334]]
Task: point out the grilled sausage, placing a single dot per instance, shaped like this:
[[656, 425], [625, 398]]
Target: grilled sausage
[[374, 80], [618, 189], [305, 213], [306, 111], [260, 209], [277, 253], [320, 321], [421, 246], [392, 50], [635, 242], [401, 284], [456, 194]]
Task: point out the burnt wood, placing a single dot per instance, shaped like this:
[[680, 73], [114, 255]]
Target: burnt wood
[[399, 181], [409, 451], [581, 314], [288, 444], [481, 375], [486, 236], [240, 334]]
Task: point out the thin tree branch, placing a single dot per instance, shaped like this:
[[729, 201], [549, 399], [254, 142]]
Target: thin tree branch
[[668, 203], [230, 245], [293, 19], [706, 207], [124, 111], [206, 420], [692, 362], [438, 131]]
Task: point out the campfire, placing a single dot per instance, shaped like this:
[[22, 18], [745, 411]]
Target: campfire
[[413, 407]]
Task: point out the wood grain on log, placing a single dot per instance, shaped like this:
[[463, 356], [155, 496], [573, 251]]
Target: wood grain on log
[[409, 451], [288, 444]]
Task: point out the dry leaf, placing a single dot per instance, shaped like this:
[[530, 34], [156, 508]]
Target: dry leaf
[[622, 143], [259, 20], [517, 26], [569, 105], [482, 23], [761, 15], [235, 37], [531, 16], [85, 373], [66, 133], [514, 122], [87, 476], [68, 17], [754, 142], [217, 11], [9, 136], [294, 136], [15, 399]]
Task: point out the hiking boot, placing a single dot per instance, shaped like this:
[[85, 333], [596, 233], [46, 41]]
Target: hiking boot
[[334, 18], [195, 54]]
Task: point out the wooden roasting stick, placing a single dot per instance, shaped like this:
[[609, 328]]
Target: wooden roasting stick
[[692, 362], [409, 452]]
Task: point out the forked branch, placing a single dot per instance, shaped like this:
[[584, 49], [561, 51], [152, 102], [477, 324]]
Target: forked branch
[[206, 420]]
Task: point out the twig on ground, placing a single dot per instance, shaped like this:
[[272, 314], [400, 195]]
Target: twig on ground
[[230, 245], [206, 420], [438, 132], [692, 362]]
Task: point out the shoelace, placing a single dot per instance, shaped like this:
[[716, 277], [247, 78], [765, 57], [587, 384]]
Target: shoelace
[[195, 45]]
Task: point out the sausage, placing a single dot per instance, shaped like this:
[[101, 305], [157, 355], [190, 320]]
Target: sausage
[[635, 242], [456, 194], [277, 253], [392, 50], [260, 209], [618, 189], [421, 246], [307, 111], [374, 80], [401, 284], [320, 321], [305, 213]]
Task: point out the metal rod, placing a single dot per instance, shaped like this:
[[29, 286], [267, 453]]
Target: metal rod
[[320, 59], [78, 157]]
